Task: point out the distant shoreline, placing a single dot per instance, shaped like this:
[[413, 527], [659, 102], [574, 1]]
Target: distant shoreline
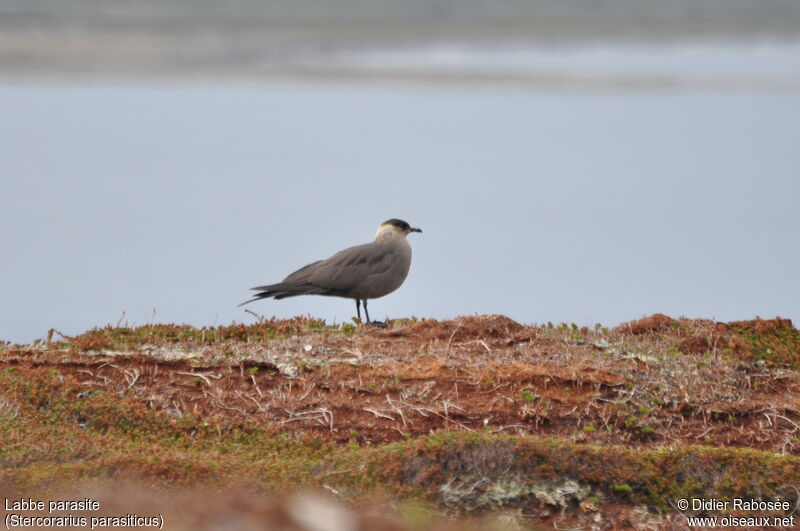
[[627, 67]]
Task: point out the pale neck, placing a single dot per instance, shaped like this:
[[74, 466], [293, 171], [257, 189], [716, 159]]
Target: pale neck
[[388, 233]]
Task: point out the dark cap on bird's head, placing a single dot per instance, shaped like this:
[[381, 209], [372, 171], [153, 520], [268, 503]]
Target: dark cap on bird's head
[[402, 225]]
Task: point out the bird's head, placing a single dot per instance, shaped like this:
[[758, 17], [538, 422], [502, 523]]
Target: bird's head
[[395, 227]]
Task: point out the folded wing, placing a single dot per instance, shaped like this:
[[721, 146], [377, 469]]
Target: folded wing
[[339, 275]]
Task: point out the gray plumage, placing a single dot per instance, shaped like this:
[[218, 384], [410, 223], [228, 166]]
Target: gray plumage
[[362, 272]]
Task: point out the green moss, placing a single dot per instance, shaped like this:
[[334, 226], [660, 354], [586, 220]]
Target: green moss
[[58, 434], [774, 341], [528, 396], [119, 338]]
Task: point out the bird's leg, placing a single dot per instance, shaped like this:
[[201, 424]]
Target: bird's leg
[[358, 309], [374, 323]]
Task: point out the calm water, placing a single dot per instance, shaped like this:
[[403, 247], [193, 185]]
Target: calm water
[[716, 44], [167, 202]]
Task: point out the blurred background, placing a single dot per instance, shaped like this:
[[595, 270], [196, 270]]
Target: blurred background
[[569, 160]]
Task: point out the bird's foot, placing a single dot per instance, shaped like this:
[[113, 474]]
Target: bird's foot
[[379, 324]]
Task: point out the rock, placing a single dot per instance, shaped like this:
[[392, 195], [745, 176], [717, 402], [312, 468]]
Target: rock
[[288, 369]]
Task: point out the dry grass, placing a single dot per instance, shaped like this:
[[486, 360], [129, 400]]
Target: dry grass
[[548, 424]]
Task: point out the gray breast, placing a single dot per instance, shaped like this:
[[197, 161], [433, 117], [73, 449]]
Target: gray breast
[[396, 266]]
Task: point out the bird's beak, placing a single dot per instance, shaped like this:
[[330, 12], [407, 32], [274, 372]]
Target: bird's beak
[[414, 229]]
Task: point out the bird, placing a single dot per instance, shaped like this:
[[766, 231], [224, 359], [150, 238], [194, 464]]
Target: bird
[[363, 272]]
